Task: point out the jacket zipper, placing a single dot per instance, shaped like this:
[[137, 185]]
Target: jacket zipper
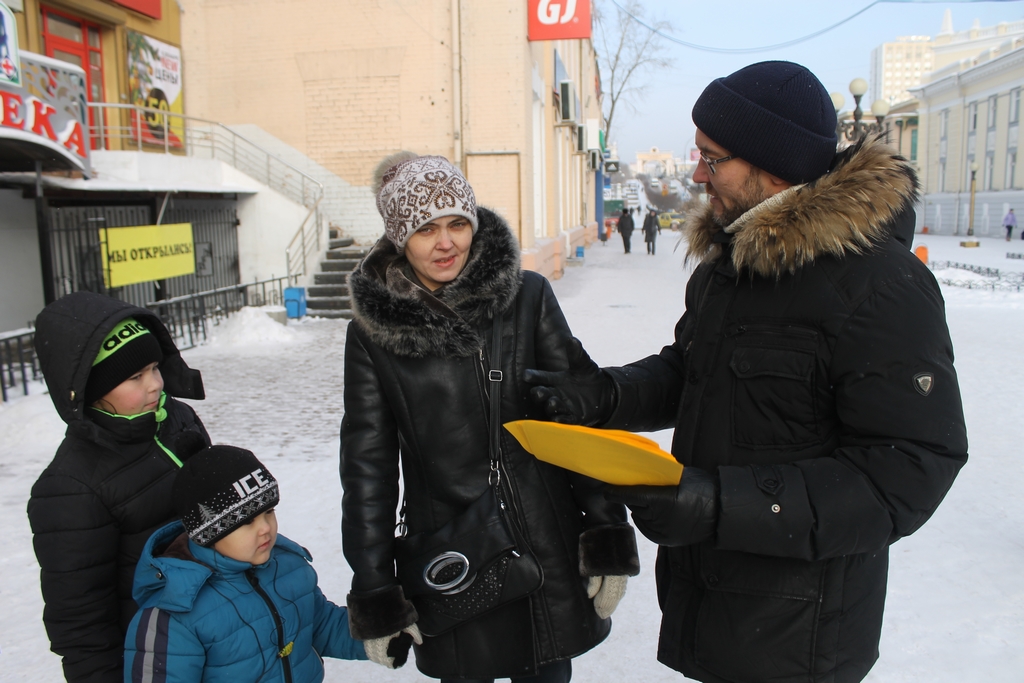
[[282, 650]]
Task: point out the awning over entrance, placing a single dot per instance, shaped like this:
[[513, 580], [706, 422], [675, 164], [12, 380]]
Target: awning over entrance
[[118, 185]]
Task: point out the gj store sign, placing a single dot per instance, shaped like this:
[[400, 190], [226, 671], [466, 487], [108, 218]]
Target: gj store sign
[[44, 118], [558, 19]]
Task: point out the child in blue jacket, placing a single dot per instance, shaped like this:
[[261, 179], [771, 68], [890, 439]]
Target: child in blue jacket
[[221, 596]]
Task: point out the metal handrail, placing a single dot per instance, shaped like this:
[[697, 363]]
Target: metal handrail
[[18, 361], [202, 134], [186, 316], [308, 242], [209, 139]]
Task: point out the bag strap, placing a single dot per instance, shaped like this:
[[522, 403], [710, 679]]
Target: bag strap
[[495, 376]]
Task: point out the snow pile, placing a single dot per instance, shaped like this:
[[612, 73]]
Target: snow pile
[[251, 327]]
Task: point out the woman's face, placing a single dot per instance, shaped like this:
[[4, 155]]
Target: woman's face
[[438, 251]]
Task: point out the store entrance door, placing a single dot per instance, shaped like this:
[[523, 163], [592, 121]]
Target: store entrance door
[[77, 41]]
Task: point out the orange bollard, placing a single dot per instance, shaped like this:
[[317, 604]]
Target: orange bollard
[[924, 230], [922, 253]]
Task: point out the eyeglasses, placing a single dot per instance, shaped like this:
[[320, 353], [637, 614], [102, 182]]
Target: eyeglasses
[[711, 162]]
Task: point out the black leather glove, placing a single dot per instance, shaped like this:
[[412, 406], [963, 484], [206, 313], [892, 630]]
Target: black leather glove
[[584, 394], [673, 515]]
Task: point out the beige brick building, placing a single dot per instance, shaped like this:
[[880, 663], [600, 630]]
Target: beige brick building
[[347, 82]]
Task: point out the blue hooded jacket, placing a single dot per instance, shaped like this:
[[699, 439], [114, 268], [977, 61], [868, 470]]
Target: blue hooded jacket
[[205, 617]]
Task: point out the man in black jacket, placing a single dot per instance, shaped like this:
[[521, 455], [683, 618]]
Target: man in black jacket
[[811, 387], [626, 228]]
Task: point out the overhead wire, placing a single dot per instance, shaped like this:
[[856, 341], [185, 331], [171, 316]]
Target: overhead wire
[[764, 48]]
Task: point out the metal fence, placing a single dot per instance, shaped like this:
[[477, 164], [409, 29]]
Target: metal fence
[[189, 317], [18, 362], [999, 280], [76, 247]]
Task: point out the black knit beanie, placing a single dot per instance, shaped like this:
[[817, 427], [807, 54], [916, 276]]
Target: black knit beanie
[[219, 489], [125, 350], [774, 115]]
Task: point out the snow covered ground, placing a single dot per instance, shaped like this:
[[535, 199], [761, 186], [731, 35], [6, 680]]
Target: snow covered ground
[[955, 610]]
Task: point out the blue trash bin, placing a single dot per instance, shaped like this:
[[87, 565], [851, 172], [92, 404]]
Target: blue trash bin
[[295, 301], [579, 252]]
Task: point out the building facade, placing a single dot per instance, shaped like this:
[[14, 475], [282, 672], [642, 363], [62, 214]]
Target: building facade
[[352, 82], [969, 125]]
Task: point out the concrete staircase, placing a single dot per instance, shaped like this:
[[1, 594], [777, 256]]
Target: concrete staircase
[[328, 296]]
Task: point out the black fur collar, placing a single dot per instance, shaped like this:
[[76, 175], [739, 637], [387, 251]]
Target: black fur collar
[[408, 320], [845, 211]]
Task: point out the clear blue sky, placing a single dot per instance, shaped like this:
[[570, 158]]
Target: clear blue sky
[[662, 118]]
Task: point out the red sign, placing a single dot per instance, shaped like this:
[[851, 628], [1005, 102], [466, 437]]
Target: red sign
[[558, 19], [151, 8]]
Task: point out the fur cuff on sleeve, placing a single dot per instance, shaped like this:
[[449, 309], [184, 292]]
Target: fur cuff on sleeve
[[609, 551], [379, 613]]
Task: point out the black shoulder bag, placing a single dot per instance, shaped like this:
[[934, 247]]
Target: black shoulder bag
[[479, 560]]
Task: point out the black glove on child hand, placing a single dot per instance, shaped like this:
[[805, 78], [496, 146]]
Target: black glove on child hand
[[584, 394], [673, 515]]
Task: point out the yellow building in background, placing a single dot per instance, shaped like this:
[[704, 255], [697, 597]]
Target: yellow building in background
[[347, 82]]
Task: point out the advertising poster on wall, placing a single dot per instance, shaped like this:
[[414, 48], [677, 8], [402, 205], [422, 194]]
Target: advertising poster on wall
[[154, 77]]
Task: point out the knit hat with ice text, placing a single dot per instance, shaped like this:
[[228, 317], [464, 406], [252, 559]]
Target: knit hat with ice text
[[219, 489]]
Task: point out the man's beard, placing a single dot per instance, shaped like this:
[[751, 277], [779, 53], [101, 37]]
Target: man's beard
[[749, 196]]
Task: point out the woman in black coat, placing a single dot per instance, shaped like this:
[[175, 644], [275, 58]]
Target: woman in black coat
[[416, 408]]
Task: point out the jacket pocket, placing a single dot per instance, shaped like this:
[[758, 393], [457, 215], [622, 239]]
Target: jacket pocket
[[773, 397], [758, 617]]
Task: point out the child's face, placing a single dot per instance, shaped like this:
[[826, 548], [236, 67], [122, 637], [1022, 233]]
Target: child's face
[[138, 394], [251, 542]]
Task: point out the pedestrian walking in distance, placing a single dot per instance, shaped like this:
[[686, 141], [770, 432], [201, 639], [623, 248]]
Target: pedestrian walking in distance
[[651, 230], [811, 387], [444, 319], [626, 228], [1010, 222]]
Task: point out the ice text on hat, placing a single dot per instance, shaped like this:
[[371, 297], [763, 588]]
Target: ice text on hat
[[243, 488]]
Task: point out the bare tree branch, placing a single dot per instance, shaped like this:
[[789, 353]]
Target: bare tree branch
[[627, 52]]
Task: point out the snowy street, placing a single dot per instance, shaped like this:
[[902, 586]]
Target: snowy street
[[955, 606]]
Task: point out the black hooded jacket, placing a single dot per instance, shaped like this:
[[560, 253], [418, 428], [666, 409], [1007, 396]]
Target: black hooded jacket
[[813, 373], [108, 486], [416, 406]]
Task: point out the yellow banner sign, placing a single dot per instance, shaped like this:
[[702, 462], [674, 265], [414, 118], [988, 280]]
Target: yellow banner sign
[[144, 253]]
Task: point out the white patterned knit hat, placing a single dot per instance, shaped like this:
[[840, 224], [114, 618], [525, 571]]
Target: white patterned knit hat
[[419, 190]]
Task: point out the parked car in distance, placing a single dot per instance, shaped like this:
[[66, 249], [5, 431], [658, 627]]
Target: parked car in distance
[[671, 220]]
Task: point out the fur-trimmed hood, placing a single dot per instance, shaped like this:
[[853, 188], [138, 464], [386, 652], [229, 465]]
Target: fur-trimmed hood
[[844, 211], [407, 320]]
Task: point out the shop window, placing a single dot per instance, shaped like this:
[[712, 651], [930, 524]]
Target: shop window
[[76, 41]]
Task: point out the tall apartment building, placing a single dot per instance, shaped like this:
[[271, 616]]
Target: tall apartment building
[[898, 66]]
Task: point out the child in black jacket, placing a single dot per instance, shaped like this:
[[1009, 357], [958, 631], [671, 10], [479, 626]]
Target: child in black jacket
[[111, 369]]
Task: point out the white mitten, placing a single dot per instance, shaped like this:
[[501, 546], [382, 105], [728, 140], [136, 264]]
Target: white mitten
[[606, 592], [393, 651]]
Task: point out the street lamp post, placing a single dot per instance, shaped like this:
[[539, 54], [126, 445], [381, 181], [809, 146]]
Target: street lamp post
[[970, 221], [857, 129]]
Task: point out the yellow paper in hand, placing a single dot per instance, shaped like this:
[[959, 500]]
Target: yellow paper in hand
[[609, 455]]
